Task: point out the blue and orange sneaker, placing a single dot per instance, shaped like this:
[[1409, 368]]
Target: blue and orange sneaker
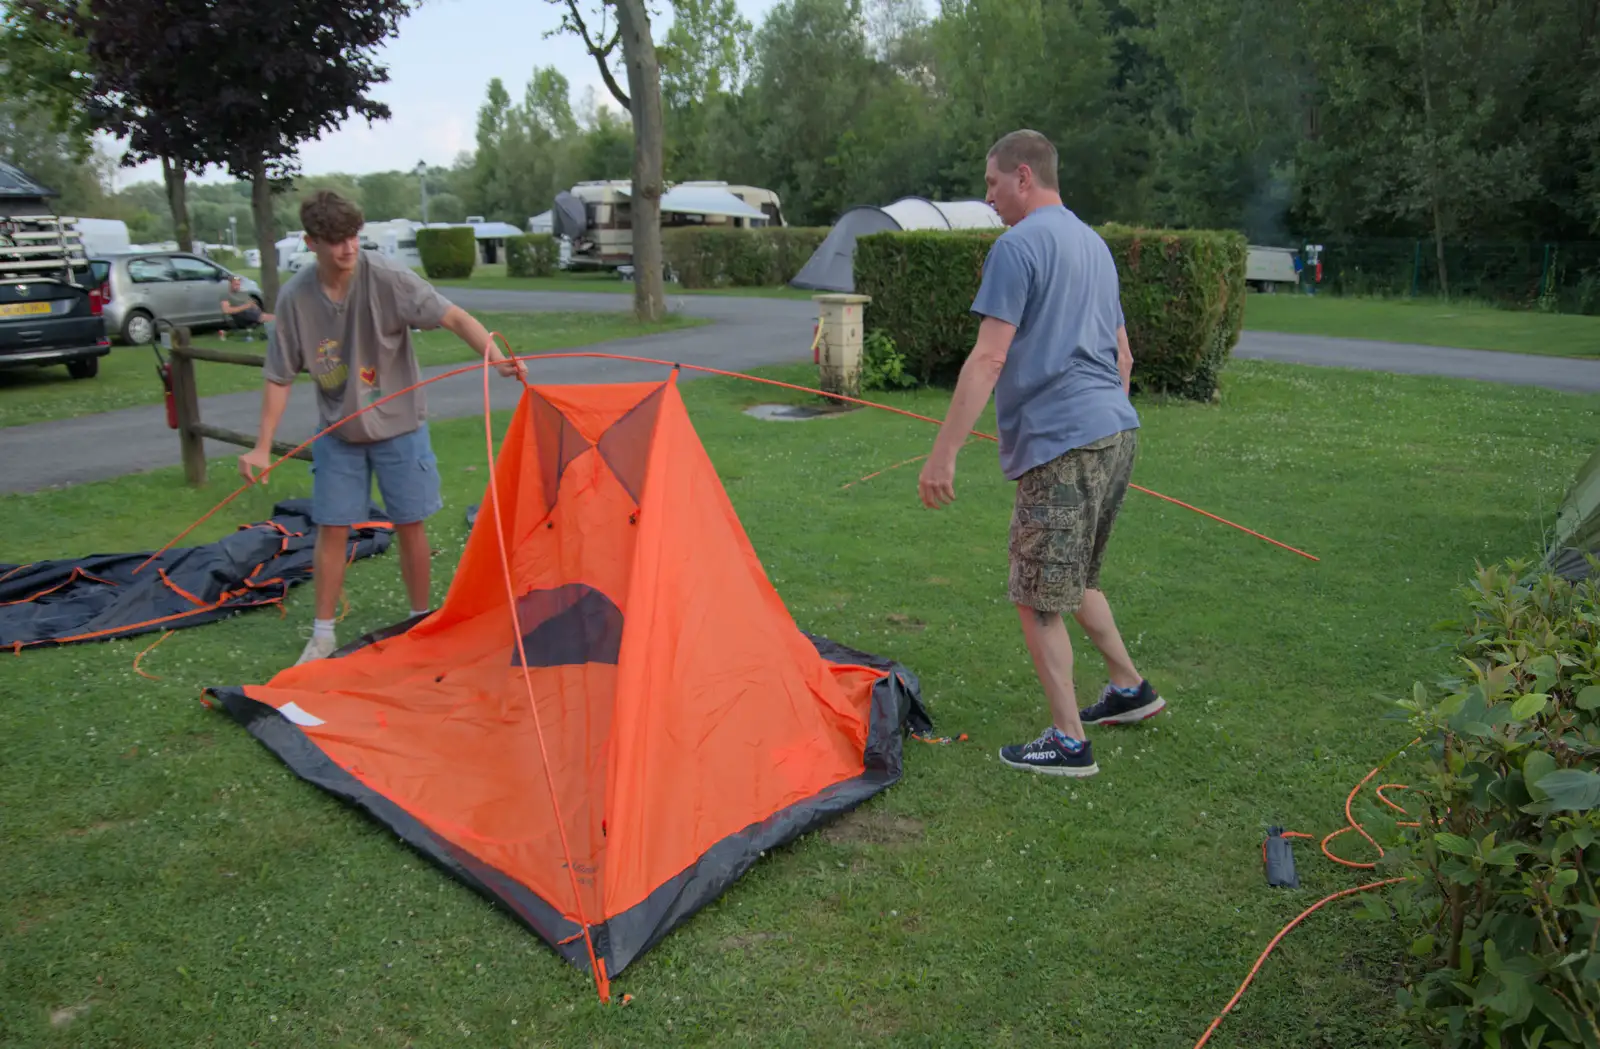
[[1053, 754], [1118, 706]]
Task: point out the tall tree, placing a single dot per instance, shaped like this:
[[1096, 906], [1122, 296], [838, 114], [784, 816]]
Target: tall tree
[[276, 73], [642, 99]]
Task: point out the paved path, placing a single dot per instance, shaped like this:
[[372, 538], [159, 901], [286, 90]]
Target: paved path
[[1520, 369], [745, 333]]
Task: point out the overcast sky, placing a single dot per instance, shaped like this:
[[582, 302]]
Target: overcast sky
[[440, 65]]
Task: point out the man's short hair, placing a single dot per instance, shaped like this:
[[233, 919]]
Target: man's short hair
[[328, 217], [1030, 148]]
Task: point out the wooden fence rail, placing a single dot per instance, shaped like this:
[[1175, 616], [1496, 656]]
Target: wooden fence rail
[[192, 431]]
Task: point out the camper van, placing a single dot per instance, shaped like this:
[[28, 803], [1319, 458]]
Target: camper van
[[597, 217]]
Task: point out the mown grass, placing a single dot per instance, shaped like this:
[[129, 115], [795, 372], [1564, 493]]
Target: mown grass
[[1426, 322], [128, 376], [168, 882]]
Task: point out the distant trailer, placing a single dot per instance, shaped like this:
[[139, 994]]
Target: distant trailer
[[1266, 268]]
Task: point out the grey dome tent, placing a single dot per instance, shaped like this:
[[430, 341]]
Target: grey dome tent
[[832, 266]]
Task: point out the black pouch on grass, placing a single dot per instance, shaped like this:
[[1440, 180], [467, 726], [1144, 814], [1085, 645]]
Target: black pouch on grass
[[1279, 858]]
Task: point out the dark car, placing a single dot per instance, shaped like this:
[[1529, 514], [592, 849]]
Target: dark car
[[50, 297]]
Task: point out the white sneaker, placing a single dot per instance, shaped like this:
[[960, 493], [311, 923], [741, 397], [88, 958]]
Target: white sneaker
[[317, 648]]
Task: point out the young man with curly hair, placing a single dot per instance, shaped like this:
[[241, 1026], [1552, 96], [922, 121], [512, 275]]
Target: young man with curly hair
[[347, 320]]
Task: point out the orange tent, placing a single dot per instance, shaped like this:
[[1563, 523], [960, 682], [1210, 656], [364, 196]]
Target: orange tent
[[655, 718]]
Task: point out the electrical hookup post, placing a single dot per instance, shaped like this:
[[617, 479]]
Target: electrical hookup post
[[837, 352]]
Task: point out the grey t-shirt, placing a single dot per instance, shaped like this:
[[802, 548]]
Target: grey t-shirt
[[1053, 277], [359, 350]]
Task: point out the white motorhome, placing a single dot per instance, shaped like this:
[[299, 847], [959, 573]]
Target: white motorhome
[[597, 217], [102, 236]]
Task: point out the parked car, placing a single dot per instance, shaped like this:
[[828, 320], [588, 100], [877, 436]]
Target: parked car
[[48, 314], [143, 289]]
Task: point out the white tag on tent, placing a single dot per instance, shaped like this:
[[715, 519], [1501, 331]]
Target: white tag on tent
[[299, 716]]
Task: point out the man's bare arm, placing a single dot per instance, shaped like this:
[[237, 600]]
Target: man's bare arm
[[274, 398], [471, 331], [1124, 359], [978, 377]]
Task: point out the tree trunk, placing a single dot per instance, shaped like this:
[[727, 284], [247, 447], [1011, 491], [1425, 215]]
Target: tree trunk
[[1433, 156], [266, 234], [644, 91], [176, 179]]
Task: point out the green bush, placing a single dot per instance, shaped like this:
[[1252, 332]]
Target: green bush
[[532, 255], [227, 258], [1502, 912], [1182, 296], [448, 252], [715, 256]]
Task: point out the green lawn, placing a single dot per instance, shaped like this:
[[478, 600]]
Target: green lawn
[[169, 877], [1429, 322], [128, 377]]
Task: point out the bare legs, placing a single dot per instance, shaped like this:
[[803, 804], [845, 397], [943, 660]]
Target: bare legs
[[1094, 615], [332, 546], [414, 564], [1051, 648]]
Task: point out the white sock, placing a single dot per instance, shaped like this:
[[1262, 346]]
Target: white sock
[[419, 612], [322, 628]]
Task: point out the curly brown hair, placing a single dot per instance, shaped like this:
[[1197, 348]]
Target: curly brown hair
[[328, 217]]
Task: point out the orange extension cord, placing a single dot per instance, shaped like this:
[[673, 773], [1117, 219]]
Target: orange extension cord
[[1350, 825]]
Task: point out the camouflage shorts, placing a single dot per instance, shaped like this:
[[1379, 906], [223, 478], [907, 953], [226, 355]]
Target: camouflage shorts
[[1063, 516]]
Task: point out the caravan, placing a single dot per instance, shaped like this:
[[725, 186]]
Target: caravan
[[597, 217]]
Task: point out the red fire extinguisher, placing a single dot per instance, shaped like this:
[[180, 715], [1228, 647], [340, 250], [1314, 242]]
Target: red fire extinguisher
[[164, 373]]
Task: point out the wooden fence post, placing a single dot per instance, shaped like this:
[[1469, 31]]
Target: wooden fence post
[[187, 397]]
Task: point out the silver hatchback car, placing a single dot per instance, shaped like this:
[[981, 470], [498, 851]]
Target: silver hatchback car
[[142, 288]]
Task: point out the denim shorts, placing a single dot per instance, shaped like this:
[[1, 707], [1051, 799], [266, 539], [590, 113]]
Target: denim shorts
[[342, 473]]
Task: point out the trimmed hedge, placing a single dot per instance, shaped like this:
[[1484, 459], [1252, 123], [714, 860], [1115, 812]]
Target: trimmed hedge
[[1182, 294], [448, 253], [532, 255], [713, 257]]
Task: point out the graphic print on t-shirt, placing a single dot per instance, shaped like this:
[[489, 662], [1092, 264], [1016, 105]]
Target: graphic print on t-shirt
[[369, 385], [330, 370]]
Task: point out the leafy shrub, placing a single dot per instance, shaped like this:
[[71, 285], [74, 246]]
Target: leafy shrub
[[719, 256], [1503, 912], [448, 252], [532, 255], [227, 258], [883, 366], [1182, 294]]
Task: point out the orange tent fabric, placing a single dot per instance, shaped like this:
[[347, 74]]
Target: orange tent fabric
[[680, 722]]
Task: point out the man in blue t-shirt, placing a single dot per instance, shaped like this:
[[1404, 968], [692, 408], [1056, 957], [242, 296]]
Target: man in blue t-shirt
[[1053, 349]]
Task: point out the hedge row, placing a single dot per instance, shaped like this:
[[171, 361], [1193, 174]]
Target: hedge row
[[1182, 296], [448, 252], [712, 257], [532, 255]]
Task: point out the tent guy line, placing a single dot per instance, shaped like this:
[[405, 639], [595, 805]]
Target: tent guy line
[[261, 478], [596, 966]]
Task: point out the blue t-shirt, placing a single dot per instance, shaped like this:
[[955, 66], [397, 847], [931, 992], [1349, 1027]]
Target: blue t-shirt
[[1054, 278]]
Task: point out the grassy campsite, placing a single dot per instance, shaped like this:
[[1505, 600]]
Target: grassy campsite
[[670, 686], [167, 878]]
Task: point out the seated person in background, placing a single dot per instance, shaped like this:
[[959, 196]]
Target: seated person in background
[[242, 310]]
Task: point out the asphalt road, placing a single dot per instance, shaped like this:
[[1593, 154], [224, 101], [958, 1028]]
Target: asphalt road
[[745, 333]]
